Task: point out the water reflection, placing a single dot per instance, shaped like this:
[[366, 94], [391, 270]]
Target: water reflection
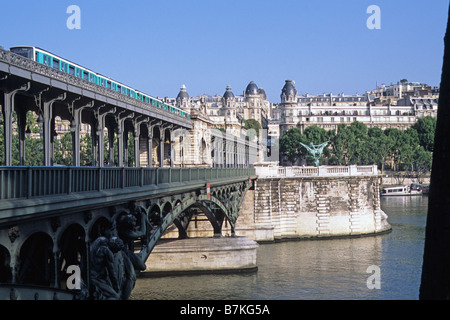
[[318, 269]]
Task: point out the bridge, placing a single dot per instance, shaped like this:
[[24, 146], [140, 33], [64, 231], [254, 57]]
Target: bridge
[[51, 217], [103, 219]]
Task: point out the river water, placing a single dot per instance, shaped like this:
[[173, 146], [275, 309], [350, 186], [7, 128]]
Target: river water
[[334, 269]]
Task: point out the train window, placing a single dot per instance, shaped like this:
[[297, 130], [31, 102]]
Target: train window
[[63, 66], [47, 60], [108, 84], [24, 52], [119, 88], [91, 77], [55, 64], [71, 70], [79, 73], [85, 75]]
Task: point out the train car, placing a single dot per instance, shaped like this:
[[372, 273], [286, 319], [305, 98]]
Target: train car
[[49, 59]]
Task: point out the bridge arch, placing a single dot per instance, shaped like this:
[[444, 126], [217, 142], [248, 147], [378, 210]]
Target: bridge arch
[[219, 206], [73, 250], [100, 227], [5, 265], [166, 209], [37, 261], [154, 214]]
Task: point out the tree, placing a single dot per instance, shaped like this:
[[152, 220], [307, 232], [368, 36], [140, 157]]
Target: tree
[[426, 128], [423, 160], [401, 150], [252, 124], [315, 134], [86, 150], [377, 147], [358, 147], [290, 144], [63, 150], [342, 145]]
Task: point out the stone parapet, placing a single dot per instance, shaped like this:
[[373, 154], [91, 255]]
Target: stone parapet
[[272, 170]]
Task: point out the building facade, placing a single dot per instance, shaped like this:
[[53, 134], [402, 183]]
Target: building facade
[[328, 110], [228, 111]]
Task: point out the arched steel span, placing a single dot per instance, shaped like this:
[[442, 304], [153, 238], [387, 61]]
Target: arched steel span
[[181, 213]]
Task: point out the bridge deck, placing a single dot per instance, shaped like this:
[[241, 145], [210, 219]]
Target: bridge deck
[[25, 191]]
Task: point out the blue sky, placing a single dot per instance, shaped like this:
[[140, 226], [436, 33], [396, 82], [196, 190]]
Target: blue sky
[[155, 46]]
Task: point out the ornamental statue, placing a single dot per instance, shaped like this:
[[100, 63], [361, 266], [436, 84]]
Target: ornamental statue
[[315, 151]]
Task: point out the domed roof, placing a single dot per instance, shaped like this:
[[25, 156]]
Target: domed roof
[[289, 88], [183, 93], [252, 88], [263, 93], [228, 93]]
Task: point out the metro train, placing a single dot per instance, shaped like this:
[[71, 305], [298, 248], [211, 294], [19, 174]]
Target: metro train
[[49, 59]]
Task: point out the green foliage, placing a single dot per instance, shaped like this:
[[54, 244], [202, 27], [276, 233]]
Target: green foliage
[[250, 125], [426, 128], [356, 144], [86, 150], [290, 144], [63, 150]]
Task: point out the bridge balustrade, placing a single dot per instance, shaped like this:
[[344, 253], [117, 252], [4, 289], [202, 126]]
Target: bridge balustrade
[[30, 182]]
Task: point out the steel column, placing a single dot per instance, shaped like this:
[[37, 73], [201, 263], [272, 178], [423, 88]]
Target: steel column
[[8, 109], [120, 119], [48, 129], [75, 129]]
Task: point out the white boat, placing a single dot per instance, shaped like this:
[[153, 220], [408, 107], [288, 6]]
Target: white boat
[[402, 190]]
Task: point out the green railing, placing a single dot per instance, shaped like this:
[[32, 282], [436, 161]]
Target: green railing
[[30, 182]]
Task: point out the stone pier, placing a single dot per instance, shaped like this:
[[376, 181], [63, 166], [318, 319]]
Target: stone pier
[[203, 255], [311, 202]]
